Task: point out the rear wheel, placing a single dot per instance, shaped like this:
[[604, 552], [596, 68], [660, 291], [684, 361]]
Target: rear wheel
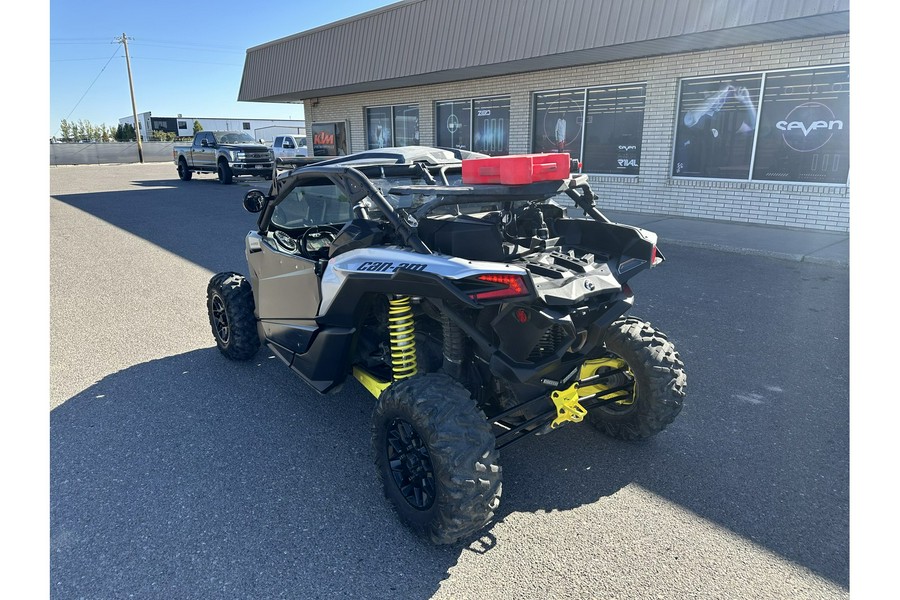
[[436, 458], [184, 173], [223, 172], [644, 362], [229, 300]]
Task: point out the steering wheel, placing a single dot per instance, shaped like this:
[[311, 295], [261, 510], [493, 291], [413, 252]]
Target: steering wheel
[[316, 240]]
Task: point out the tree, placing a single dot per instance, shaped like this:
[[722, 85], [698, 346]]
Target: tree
[[83, 130], [125, 132], [197, 126], [65, 130]]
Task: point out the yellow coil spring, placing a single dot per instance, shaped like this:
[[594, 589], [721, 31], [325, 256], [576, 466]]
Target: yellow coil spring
[[401, 329]]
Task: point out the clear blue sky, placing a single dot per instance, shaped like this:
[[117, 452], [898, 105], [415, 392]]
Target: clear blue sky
[[186, 57]]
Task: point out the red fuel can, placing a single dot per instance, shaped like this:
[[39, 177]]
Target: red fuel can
[[516, 169]]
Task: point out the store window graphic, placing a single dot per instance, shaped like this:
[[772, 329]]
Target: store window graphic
[[388, 126], [491, 126], [613, 130], [717, 120], [406, 125], [329, 139], [558, 119], [453, 124], [379, 127], [480, 124], [804, 127], [601, 127], [788, 126]]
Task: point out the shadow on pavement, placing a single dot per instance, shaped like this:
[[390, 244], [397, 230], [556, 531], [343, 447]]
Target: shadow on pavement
[[195, 477], [200, 220], [192, 476]]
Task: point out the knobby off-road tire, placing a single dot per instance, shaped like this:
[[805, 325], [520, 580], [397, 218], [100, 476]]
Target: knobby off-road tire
[[229, 301], [184, 173], [436, 458], [659, 377], [223, 172]]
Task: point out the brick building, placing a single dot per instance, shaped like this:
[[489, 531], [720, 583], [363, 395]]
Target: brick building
[[730, 110]]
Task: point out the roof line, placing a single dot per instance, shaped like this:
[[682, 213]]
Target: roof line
[[332, 25]]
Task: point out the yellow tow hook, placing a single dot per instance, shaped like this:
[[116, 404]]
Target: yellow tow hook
[[567, 406]]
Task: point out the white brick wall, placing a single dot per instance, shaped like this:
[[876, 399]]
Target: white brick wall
[[654, 190]]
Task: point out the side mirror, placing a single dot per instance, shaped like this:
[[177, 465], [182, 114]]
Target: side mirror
[[254, 201]]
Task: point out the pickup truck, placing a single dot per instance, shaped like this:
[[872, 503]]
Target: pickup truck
[[225, 153], [288, 147]]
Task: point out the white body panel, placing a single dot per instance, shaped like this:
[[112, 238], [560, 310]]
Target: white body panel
[[387, 260]]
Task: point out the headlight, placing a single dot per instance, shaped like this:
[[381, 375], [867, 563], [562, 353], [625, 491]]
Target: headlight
[[240, 156]]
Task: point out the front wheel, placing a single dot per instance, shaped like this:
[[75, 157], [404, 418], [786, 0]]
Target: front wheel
[[644, 362], [224, 173], [435, 455], [229, 301]]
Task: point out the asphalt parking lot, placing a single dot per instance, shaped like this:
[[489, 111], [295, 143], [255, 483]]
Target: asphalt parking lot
[[178, 474]]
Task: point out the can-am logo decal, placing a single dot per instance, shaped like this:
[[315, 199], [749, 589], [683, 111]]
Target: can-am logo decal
[[809, 126], [389, 267]]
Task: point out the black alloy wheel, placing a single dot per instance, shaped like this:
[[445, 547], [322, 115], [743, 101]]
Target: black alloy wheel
[[220, 320], [229, 302], [436, 457], [410, 464]]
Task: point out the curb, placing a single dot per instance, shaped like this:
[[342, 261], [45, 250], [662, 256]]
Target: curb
[[785, 256]]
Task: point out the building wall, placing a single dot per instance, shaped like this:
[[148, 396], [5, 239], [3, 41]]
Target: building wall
[[265, 129], [654, 191]]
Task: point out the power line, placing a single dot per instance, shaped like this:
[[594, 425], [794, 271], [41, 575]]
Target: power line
[[186, 45], [181, 60], [92, 83]]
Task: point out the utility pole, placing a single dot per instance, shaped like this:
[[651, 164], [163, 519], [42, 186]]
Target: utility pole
[[137, 126]]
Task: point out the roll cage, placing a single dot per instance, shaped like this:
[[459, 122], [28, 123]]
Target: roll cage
[[443, 188]]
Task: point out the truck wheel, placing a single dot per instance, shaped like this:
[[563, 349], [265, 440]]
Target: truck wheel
[[229, 300], [657, 371], [184, 173], [223, 172], [435, 456]]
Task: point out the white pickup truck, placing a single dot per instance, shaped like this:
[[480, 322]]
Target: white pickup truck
[[288, 147]]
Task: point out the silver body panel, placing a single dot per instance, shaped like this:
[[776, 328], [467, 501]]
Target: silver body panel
[[387, 260]]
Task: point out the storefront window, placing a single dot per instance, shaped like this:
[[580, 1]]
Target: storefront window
[[452, 124], [800, 134], [558, 120], [392, 126], [613, 130], [804, 127], [330, 139], [406, 125], [716, 123], [481, 125], [491, 126], [601, 127], [379, 127]]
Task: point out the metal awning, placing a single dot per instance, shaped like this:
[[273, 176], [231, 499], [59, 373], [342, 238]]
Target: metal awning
[[418, 42]]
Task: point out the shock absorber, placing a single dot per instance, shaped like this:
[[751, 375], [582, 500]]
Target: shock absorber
[[454, 343], [401, 329]]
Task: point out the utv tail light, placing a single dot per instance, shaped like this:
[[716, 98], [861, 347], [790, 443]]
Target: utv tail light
[[501, 286]]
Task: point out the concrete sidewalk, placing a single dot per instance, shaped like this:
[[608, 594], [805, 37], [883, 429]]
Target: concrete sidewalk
[[822, 247]]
